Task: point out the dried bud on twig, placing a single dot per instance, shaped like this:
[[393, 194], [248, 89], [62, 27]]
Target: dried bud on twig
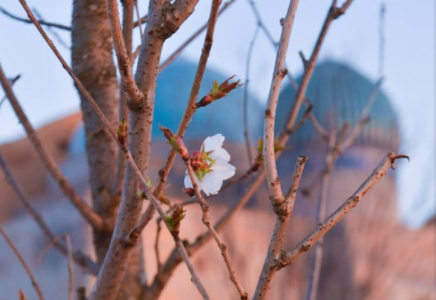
[[174, 217], [218, 91], [122, 132], [176, 142], [189, 191]]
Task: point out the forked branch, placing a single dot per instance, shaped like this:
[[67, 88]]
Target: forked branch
[[288, 257]]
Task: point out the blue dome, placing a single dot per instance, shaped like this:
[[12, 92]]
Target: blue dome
[[339, 95], [223, 116], [173, 88]]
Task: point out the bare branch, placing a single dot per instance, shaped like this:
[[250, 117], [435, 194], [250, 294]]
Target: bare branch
[[320, 215], [118, 182], [42, 22], [79, 258], [70, 269], [364, 118], [189, 111], [24, 264], [141, 33], [54, 242], [261, 24], [156, 245], [283, 214], [310, 66], [13, 81], [307, 115], [52, 31], [93, 218], [179, 50], [206, 220], [288, 257], [381, 58], [275, 192], [245, 107], [140, 21], [124, 60], [195, 279]]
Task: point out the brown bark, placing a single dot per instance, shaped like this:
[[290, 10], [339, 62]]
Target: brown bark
[[92, 62]]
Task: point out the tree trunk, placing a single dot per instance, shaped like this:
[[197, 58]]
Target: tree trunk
[[92, 61]]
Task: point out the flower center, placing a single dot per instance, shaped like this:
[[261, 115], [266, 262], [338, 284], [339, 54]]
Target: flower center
[[202, 163]]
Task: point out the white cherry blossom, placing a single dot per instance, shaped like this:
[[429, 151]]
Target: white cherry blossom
[[211, 166]]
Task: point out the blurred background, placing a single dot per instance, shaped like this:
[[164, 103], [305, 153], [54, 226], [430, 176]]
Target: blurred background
[[383, 250]]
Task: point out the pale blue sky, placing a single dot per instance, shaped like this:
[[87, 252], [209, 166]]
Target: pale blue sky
[[47, 93]]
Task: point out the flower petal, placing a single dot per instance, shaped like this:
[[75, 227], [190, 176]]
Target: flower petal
[[187, 181], [220, 153], [211, 183], [213, 142], [223, 169]]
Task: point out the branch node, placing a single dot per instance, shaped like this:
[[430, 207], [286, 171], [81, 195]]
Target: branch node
[[395, 157]]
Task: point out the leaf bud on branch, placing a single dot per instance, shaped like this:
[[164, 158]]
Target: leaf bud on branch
[[218, 91], [176, 142], [174, 217]]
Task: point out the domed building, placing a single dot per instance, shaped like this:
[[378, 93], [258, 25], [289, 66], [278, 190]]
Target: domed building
[[339, 94], [358, 251], [223, 116], [369, 255]]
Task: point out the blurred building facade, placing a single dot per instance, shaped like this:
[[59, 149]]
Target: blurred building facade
[[370, 255]]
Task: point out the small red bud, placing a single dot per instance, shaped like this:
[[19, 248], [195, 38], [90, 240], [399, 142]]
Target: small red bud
[[189, 191]]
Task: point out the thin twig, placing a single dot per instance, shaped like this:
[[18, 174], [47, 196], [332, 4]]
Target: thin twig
[[189, 111], [194, 277], [54, 242], [42, 22], [320, 215], [274, 187], [127, 29], [324, 134], [53, 32], [79, 258], [141, 33], [245, 107], [381, 54], [279, 73], [140, 21], [13, 81], [24, 264], [92, 217], [70, 269], [364, 117], [206, 220], [283, 213], [179, 50], [124, 59], [261, 23], [156, 245], [379, 172], [333, 14]]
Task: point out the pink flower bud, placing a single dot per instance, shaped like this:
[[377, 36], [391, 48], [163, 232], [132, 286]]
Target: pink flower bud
[[189, 191]]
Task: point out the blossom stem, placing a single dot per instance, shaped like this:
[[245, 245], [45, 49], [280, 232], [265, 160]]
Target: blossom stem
[[206, 220]]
